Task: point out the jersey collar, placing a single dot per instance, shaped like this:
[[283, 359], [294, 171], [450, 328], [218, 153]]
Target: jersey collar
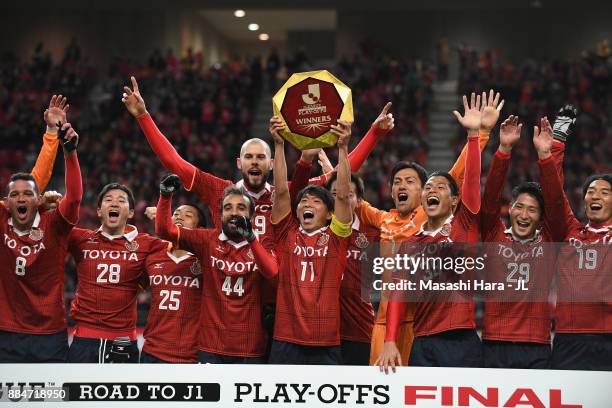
[[256, 195], [130, 234], [179, 259], [508, 231], [237, 245], [356, 223], [436, 231], [35, 224], [598, 229], [312, 233]]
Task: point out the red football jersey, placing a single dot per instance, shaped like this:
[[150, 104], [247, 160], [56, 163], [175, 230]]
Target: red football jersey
[[431, 317], [521, 316], [357, 315], [584, 281], [109, 270], [310, 273], [171, 333], [32, 275], [230, 317], [584, 274]]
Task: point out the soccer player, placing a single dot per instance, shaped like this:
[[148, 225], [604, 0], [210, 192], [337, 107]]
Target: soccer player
[[233, 263], [444, 331], [110, 262], [312, 253], [407, 180], [516, 328], [33, 319], [175, 280], [583, 318]]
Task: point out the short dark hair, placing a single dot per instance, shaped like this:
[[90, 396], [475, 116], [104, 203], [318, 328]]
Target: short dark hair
[[533, 189], [604, 176], [355, 179], [116, 186], [26, 177], [420, 170], [203, 221], [451, 181], [319, 192], [231, 190]]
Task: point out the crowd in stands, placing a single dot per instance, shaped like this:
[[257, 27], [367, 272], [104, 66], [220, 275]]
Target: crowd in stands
[[536, 88]]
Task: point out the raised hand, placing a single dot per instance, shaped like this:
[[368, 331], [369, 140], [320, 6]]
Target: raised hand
[[343, 131], [509, 134], [543, 138], [151, 212], [471, 118], [309, 155], [491, 107], [385, 119], [324, 162], [169, 185], [50, 200], [133, 100], [244, 228], [56, 112], [564, 123], [68, 137], [276, 126]]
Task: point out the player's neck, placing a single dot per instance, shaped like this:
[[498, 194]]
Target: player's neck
[[179, 253], [22, 227], [114, 232], [435, 222], [252, 189]]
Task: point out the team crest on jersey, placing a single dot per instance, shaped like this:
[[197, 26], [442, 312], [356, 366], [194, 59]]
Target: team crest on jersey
[[446, 230], [323, 239], [362, 241], [132, 246], [196, 268], [36, 234], [250, 254], [158, 266]]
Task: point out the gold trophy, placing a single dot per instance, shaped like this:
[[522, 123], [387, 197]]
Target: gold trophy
[[309, 103]]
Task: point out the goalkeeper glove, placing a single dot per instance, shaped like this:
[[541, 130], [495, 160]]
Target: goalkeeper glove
[[169, 185], [244, 228], [69, 145], [564, 123]]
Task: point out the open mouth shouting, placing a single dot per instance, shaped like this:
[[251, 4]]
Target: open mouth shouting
[[308, 216], [22, 212], [113, 215], [595, 206], [432, 202], [402, 197]]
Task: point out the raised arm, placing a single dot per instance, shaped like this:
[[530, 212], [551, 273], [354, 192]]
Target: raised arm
[[164, 227], [164, 150], [470, 192], [56, 112], [342, 207], [301, 174], [69, 205], [509, 135], [381, 126], [559, 218], [491, 109], [282, 202]]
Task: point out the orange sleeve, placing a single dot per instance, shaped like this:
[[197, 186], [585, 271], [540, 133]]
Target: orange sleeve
[[46, 159], [457, 172], [369, 215]]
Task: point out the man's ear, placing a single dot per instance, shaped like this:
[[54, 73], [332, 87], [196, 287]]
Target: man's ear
[[130, 214], [239, 163], [99, 212], [271, 166], [454, 202]]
